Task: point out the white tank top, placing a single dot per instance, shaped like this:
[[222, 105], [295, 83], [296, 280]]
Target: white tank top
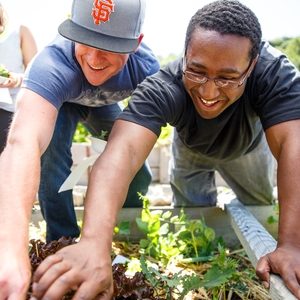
[[11, 57]]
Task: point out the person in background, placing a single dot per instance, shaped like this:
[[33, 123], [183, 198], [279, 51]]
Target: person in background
[[17, 48], [96, 61], [234, 101]]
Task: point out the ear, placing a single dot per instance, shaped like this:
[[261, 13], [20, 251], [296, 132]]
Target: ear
[[139, 42], [256, 59], [254, 62], [253, 65]]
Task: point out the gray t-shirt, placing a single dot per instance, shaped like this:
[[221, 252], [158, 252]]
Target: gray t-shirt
[[56, 75], [271, 96]]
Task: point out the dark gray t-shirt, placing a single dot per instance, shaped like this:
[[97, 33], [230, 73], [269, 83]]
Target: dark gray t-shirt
[[271, 96]]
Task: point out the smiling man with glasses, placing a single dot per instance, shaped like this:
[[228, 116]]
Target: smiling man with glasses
[[233, 101]]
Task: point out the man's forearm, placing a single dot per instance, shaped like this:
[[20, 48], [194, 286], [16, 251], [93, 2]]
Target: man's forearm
[[19, 178], [105, 197]]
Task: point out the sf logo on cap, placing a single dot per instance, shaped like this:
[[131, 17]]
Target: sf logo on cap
[[103, 10]]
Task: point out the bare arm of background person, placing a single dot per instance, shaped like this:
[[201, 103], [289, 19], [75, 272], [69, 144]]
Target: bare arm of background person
[[29, 50]]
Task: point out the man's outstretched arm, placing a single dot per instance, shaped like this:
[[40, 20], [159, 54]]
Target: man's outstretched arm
[[284, 142], [86, 266]]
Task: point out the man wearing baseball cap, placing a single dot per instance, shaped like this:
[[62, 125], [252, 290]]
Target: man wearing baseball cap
[[104, 37], [96, 61]]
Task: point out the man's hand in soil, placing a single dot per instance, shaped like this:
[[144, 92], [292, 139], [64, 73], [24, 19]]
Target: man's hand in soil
[[283, 261], [83, 267]]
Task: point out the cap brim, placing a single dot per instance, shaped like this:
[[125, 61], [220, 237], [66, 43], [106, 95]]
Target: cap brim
[[76, 33]]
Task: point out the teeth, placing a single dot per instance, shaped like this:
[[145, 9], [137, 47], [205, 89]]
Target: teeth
[[96, 68], [100, 68], [208, 103]]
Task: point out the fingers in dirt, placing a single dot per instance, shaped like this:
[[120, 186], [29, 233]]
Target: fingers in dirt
[[57, 278], [85, 291], [45, 265], [88, 291]]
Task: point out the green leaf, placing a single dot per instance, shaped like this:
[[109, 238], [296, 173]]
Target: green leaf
[[167, 215], [272, 220], [3, 71], [154, 227], [216, 277], [156, 213], [209, 233], [124, 228], [189, 283], [143, 226], [144, 243], [164, 229]]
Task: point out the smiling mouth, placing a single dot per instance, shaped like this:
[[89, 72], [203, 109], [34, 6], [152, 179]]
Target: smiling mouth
[[208, 103], [99, 68], [96, 68]]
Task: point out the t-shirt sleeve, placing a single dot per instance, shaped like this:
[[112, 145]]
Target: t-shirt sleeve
[[158, 100], [275, 88], [48, 75]]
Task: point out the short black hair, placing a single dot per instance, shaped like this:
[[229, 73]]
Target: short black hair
[[227, 17]]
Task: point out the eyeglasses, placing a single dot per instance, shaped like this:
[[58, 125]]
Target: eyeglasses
[[223, 83]]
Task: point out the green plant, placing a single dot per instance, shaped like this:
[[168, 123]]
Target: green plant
[[223, 272], [3, 71], [80, 134], [191, 242], [165, 136], [124, 228], [272, 219], [103, 136], [290, 47]]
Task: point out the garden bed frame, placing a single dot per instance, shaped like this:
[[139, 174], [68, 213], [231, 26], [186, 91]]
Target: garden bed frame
[[236, 223], [257, 242], [158, 161]]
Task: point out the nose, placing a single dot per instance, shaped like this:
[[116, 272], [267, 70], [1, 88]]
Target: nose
[[209, 90], [95, 54]]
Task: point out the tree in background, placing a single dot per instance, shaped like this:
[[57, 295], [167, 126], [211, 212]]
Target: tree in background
[[290, 47]]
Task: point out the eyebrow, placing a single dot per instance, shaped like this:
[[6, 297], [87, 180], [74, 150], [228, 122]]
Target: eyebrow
[[224, 70]]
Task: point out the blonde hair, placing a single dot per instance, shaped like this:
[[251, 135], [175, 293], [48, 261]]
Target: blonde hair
[[3, 16]]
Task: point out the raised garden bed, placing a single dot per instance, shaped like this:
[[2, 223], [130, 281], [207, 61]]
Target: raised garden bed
[[239, 283], [168, 286]]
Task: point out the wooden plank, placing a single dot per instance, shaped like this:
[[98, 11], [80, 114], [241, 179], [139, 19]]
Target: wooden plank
[[154, 157], [80, 151], [257, 242], [164, 164]]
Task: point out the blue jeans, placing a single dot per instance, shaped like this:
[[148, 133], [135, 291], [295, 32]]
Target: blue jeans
[[192, 176], [58, 208], [5, 120]]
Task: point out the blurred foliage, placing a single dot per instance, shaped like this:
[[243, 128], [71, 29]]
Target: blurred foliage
[[290, 47], [80, 134], [164, 60]]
